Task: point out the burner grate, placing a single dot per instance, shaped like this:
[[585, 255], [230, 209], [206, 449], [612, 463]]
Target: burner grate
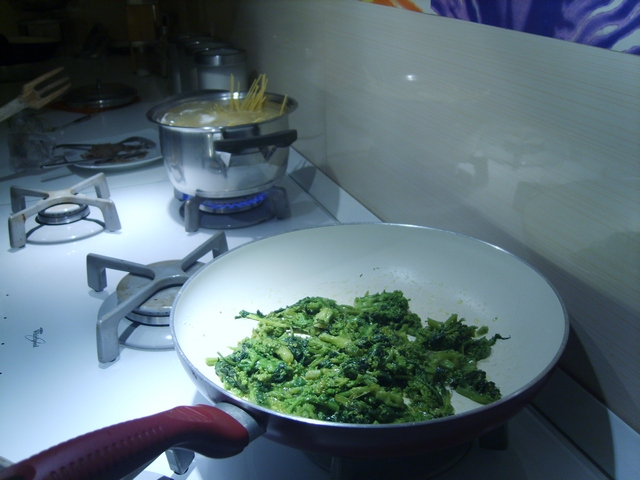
[[57, 207], [417, 467], [148, 281]]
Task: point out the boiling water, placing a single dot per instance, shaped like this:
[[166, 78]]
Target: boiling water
[[212, 114]]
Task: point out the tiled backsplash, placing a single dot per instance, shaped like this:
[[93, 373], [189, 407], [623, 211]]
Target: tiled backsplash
[[524, 141]]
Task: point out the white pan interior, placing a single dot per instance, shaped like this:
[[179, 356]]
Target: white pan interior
[[440, 272]]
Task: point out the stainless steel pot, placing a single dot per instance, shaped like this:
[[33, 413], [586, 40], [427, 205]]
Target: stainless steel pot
[[224, 162], [441, 272]]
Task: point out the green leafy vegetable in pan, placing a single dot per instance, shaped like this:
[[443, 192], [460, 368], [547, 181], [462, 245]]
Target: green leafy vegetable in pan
[[370, 362]]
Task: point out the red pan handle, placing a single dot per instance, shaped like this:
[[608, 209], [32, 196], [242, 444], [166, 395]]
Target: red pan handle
[[113, 452]]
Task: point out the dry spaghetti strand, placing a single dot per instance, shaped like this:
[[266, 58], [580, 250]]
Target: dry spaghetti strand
[[255, 98]]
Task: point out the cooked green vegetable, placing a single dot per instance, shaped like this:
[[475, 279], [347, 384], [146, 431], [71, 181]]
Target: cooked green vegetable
[[370, 362]]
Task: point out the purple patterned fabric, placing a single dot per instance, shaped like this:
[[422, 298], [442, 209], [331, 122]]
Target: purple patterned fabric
[[601, 23]]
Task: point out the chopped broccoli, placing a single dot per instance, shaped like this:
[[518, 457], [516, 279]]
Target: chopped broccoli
[[366, 363], [454, 334], [473, 384]]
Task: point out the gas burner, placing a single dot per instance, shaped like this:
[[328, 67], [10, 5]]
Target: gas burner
[[137, 314], [156, 309], [233, 205], [61, 207], [63, 214], [235, 212]]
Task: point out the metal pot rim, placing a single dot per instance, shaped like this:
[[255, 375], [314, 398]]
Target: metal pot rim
[[157, 112]]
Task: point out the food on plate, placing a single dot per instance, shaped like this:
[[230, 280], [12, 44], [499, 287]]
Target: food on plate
[[113, 152], [372, 362], [253, 108]]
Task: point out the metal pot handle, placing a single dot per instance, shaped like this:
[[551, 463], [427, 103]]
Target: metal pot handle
[[118, 450], [280, 139]]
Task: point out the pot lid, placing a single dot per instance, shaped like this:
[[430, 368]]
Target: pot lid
[[181, 39], [220, 57], [101, 96], [197, 45]]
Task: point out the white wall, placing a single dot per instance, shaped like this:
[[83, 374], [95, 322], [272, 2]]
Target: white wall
[[524, 141]]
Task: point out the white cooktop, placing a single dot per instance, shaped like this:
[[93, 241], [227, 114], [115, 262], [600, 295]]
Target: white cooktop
[[51, 385]]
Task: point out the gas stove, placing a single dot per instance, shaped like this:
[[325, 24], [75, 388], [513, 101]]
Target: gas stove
[[55, 387], [56, 295]]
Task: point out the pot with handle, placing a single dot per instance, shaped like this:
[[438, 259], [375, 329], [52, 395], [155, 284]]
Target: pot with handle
[[224, 161], [441, 272]]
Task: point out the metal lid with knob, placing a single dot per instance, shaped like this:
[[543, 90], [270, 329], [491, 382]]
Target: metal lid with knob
[[216, 66], [220, 57], [101, 96]]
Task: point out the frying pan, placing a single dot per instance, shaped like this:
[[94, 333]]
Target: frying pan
[[440, 272]]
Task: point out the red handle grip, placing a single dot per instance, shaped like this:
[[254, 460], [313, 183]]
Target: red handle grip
[[115, 451]]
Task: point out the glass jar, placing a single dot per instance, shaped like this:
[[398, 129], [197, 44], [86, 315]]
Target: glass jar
[[188, 70], [216, 66]]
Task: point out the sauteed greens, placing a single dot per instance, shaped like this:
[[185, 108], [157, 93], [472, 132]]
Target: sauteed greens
[[370, 362]]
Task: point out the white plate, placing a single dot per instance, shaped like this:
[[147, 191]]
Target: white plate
[[74, 155], [133, 163]]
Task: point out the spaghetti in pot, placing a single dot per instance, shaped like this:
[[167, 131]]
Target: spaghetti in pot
[[254, 107]]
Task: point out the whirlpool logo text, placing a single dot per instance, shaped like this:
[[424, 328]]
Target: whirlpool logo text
[[36, 337]]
